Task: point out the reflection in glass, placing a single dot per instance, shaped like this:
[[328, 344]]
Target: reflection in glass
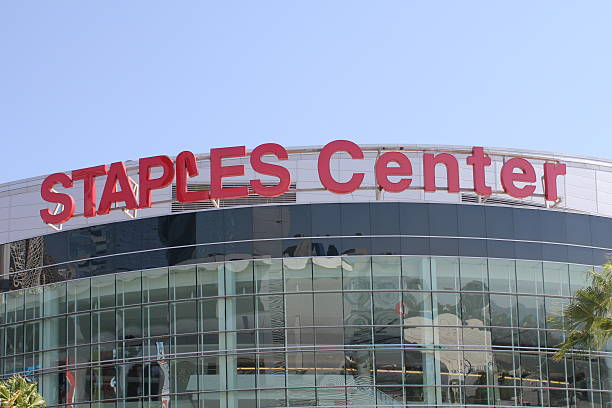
[[528, 277], [382, 334], [183, 282], [416, 274], [445, 273], [298, 274]]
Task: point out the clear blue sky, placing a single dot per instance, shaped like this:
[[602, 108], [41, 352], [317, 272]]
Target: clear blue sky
[[84, 82]]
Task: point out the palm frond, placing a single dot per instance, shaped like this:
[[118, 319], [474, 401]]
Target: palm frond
[[588, 316], [18, 392]]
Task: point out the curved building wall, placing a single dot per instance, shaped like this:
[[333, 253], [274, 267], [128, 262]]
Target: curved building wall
[[367, 299], [370, 304]]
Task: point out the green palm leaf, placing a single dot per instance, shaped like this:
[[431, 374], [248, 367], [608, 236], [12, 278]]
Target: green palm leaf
[[588, 317], [17, 392]]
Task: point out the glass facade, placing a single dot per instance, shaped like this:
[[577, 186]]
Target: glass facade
[[335, 305]]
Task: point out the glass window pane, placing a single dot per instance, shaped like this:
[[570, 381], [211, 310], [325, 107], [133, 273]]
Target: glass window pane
[[415, 246], [554, 226], [528, 277], [79, 329], [389, 376], [414, 219], [298, 274], [267, 222], [388, 367], [129, 331], [55, 334], [129, 288], [15, 303], [528, 250], [386, 317], [185, 326], [103, 331], [472, 247], [300, 371], [527, 224], [330, 368], [473, 274], [499, 222], [552, 252], [349, 246], [554, 307], [271, 374], [416, 273], [531, 379], [297, 221], [211, 280], [444, 246], [443, 220], [445, 273], [299, 309], [210, 226], [155, 285], [384, 218], [357, 317], [33, 336], [580, 255], [475, 309], [359, 371], [449, 305], [183, 282], [211, 252], [386, 246], [210, 310], [241, 371], [269, 275], [271, 398], [156, 320], [238, 224], [238, 251], [328, 312], [501, 275], [579, 227], [243, 319], [33, 303], [530, 311], [327, 273], [267, 249], [78, 292], [386, 272], [239, 277], [356, 273], [500, 249], [103, 291], [600, 232], [184, 373], [2, 309], [578, 276], [419, 376], [503, 310], [213, 374], [556, 279], [270, 311], [325, 220], [471, 221], [355, 219], [558, 382]]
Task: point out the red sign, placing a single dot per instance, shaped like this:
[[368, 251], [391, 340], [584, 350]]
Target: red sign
[[117, 187]]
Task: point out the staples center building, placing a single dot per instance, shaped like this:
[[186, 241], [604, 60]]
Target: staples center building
[[341, 275]]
